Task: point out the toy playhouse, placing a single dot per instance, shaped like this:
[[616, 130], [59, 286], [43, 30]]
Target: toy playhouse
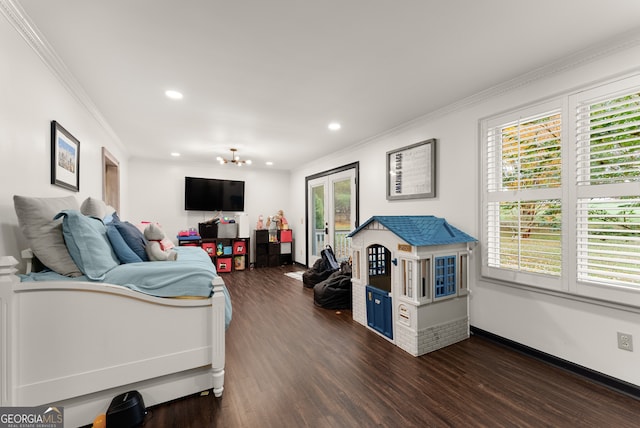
[[409, 280]]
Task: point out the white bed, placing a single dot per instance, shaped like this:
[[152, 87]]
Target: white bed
[[79, 344], [78, 341]]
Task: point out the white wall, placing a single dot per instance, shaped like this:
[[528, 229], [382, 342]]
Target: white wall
[[31, 96], [579, 331], [156, 192]]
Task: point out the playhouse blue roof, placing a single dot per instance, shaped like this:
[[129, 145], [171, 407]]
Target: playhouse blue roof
[[420, 230]]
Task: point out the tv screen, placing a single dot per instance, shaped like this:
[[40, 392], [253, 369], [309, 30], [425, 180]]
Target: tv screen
[[208, 194]]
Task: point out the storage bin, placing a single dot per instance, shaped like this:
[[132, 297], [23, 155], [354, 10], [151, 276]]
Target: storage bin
[[262, 236], [223, 264], [227, 230], [239, 262], [286, 235], [208, 230], [262, 260], [239, 247], [285, 248], [209, 247]]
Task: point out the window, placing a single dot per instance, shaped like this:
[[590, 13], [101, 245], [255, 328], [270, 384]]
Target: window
[[463, 267], [607, 176], [445, 276], [561, 201], [407, 278], [425, 280], [377, 260], [524, 190]]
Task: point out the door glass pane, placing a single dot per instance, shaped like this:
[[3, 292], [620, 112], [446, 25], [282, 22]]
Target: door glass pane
[[317, 193], [341, 218]]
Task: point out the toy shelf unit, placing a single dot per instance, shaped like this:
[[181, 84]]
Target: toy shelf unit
[[274, 251], [227, 251], [228, 254]]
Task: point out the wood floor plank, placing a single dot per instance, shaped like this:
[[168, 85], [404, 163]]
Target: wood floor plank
[[291, 364]]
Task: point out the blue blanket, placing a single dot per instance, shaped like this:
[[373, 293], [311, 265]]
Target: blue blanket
[[190, 275]]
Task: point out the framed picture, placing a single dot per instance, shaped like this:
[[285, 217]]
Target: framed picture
[[65, 158], [411, 171]]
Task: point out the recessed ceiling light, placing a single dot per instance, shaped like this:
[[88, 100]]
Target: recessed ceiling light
[[334, 126], [175, 154], [268, 163], [174, 95]]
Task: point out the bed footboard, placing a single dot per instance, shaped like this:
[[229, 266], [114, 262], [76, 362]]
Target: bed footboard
[[79, 344]]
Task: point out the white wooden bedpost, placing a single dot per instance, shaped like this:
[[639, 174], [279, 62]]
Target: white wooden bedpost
[[7, 319], [218, 336]]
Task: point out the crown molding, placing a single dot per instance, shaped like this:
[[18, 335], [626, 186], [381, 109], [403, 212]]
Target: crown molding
[[594, 53], [18, 18]]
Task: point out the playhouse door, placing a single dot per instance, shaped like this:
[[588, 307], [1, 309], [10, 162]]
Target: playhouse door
[[379, 311], [379, 290]]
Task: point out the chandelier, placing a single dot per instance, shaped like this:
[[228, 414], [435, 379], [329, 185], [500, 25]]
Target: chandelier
[[235, 159]]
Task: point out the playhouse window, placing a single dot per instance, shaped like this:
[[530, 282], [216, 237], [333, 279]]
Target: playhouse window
[[464, 271], [445, 276], [407, 278], [377, 260], [425, 280]]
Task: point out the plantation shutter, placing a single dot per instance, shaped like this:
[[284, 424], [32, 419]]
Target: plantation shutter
[[526, 154], [607, 176], [524, 179], [561, 200]]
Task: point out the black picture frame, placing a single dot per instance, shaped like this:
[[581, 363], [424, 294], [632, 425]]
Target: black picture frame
[[411, 171], [65, 158]]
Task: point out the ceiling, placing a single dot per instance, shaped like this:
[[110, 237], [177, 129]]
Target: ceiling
[[267, 77]]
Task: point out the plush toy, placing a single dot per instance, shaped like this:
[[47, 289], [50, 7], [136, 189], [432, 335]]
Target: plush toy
[[272, 224], [283, 224], [260, 223], [155, 249]]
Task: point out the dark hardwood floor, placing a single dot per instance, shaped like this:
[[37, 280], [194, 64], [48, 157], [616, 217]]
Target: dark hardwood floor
[[291, 364]]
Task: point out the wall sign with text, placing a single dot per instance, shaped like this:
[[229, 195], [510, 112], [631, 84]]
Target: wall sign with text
[[411, 171]]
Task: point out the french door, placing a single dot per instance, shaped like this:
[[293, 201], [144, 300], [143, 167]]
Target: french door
[[332, 211]]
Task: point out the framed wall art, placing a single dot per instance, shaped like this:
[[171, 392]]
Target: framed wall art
[[65, 158], [411, 171]]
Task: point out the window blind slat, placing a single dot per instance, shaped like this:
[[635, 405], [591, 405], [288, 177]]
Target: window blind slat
[[608, 135]]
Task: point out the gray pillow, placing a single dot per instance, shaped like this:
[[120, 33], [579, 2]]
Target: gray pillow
[[43, 233], [93, 207]]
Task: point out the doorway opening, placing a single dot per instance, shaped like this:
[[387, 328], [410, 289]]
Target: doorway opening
[[110, 180]]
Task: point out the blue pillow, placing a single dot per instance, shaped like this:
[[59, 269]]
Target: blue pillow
[[109, 218], [132, 236], [87, 242], [124, 253]]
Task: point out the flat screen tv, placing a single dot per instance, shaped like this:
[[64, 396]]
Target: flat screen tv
[[209, 194]]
